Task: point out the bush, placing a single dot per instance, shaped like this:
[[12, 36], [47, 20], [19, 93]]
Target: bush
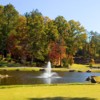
[[90, 65], [71, 61], [65, 62], [33, 64], [0, 57], [91, 62], [9, 58]]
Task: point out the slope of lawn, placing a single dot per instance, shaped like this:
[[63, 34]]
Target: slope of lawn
[[76, 67], [51, 92]]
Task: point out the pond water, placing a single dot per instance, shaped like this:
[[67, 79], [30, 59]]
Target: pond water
[[31, 77]]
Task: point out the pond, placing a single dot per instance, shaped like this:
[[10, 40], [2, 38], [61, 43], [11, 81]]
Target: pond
[[31, 77]]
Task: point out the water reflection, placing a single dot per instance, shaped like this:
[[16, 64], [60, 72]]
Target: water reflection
[[19, 77], [50, 80], [47, 80]]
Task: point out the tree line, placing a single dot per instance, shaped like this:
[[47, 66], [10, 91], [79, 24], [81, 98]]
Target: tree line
[[34, 38]]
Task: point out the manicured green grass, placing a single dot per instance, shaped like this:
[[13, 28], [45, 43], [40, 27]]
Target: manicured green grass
[[97, 79], [80, 66], [51, 92], [20, 68], [76, 67], [96, 65]]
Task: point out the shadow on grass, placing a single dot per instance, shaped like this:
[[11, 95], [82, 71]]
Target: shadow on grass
[[61, 98]]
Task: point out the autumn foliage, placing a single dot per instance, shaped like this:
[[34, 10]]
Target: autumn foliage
[[57, 53], [34, 38]]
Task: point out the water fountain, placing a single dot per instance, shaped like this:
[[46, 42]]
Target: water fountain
[[48, 73]]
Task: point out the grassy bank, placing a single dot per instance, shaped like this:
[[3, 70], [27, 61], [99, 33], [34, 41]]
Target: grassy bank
[[76, 67], [51, 92]]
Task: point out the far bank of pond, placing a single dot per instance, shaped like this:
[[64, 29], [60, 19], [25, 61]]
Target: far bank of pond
[[74, 67]]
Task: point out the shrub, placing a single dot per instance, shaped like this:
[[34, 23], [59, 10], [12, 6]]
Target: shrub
[[91, 62], [0, 57], [8, 57], [33, 64], [65, 62]]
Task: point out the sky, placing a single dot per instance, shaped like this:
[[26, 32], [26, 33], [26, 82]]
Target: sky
[[87, 12]]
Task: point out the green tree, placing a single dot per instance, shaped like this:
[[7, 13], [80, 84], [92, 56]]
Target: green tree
[[63, 29], [17, 41], [36, 35], [51, 33], [9, 17], [76, 38], [1, 28], [94, 44]]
